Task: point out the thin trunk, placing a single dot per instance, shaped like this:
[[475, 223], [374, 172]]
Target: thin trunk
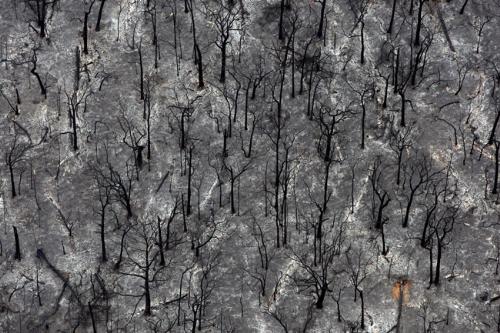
[[201, 83], [321, 298], [282, 9], [363, 116], [223, 63], [400, 157], [233, 210], [99, 16], [400, 308], [389, 29], [462, 10], [419, 22], [104, 258], [85, 32], [438, 262], [160, 244], [94, 329], [321, 19], [495, 181], [142, 71], [247, 92], [122, 244], [362, 41], [190, 174], [403, 109], [147, 295], [384, 104], [362, 309], [407, 212], [431, 274], [17, 254], [493, 130], [12, 181]]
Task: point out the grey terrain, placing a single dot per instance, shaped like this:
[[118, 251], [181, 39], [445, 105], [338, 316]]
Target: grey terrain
[[249, 166]]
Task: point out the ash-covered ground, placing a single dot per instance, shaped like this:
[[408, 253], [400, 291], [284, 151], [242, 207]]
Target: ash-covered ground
[[249, 166]]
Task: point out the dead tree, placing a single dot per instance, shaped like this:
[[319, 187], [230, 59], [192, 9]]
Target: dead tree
[[256, 119], [142, 260], [358, 263], [391, 22], [99, 16], [495, 179], [319, 278], [225, 19], [261, 273], [74, 100], [13, 106], [183, 112], [417, 175], [319, 34], [85, 25], [16, 154], [235, 173], [132, 137], [380, 198], [120, 183], [359, 9], [170, 239], [202, 235], [495, 123], [17, 254], [201, 287], [419, 22], [441, 224], [402, 80], [141, 71], [400, 140], [104, 196], [34, 62], [42, 12], [365, 92], [198, 58]]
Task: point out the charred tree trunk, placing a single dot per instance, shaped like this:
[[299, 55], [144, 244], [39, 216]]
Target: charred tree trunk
[[282, 10], [147, 292], [141, 71], [321, 19], [43, 91], [104, 257], [201, 83], [321, 298], [400, 158], [12, 181], [384, 104], [94, 329], [419, 22], [438, 261], [160, 244], [17, 254], [389, 29], [493, 130], [99, 16], [190, 174], [85, 32], [122, 245], [362, 308], [362, 60], [407, 212], [403, 109], [495, 181], [223, 63], [363, 117]]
